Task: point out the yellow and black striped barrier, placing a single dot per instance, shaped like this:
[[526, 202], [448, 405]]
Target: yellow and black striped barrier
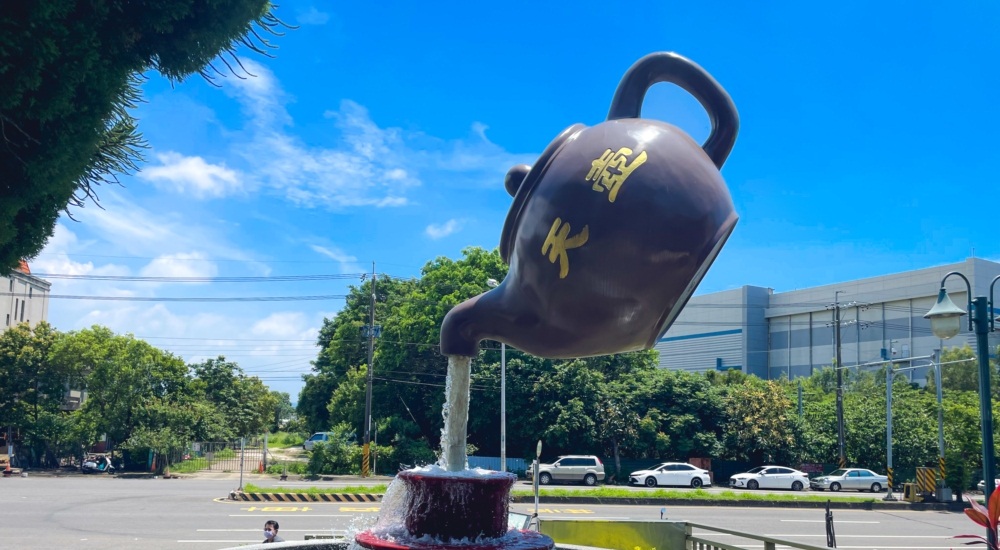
[[305, 497], [941, 468], [925, 480], [888, 474], [364, 460]]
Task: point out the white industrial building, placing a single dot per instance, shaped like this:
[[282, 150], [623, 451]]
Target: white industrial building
[[24, 298], [790, 334]]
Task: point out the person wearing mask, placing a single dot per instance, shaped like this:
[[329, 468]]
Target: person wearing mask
[[271, 532]]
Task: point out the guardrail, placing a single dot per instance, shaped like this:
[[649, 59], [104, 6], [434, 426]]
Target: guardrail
[[694, 542], [577, 534]]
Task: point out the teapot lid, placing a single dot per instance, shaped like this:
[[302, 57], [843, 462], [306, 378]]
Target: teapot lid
[[528, 185]]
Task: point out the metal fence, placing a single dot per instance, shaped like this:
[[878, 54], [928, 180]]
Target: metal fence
[[227, 456]]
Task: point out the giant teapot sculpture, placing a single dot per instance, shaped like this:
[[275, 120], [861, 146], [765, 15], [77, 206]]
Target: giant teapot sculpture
[[611, 230]]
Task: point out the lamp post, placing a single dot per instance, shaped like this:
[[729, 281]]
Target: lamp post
[[492, 283], [945, 319]]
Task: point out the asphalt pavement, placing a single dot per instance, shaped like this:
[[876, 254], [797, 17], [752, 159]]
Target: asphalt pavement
[[108, 513]]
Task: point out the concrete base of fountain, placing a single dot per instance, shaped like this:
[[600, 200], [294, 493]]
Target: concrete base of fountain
[[443, 510]]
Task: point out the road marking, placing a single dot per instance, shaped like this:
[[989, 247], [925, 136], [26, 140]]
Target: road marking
[[801, 535], [278, 509], [839, 521], [217, 541], [333, 531], [351, 509], [293, 515]]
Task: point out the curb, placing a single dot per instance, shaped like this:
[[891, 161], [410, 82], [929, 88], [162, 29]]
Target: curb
[[305, 497], [834, 505]]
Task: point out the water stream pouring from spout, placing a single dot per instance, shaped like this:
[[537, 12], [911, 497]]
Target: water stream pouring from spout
[[448, 506], [456, 413]]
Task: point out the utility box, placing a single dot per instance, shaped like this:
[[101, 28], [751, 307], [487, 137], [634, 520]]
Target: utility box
[[943, 494], [910, 492]]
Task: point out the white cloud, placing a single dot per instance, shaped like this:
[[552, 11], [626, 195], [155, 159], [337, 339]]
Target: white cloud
[[348, 263], [128, 228], [281, 325], [438, 231], [193, 264], [312, 16], [193, 176], [369, 165]]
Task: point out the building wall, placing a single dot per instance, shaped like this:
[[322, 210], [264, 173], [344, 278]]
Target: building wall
[[791, 334], [23, 298], [712, 332]]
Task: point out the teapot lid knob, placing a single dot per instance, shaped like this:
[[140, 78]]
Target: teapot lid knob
[[515, 176]]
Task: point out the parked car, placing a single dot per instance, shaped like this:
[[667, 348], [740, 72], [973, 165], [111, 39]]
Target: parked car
[[572, 469], [318, 437], [671, 473], [982, 485], [771, 477], [855, 479]]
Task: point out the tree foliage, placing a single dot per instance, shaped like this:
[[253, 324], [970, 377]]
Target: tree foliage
[[71, 72], [137, 396]]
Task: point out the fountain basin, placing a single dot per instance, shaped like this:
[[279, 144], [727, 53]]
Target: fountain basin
[[444, 510]]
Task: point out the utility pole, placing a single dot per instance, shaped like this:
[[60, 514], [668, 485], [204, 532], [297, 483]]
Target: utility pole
[[368, 393], [842, 455]]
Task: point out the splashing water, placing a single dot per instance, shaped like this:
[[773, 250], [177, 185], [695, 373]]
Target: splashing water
[[456, 413]]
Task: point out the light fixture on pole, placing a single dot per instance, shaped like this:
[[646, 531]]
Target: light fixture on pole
[[945, 318], [492, 283]]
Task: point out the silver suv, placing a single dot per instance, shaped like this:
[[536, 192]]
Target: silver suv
[[572, 468]]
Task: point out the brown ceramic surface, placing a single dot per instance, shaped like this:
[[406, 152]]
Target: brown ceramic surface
[[612, 229]]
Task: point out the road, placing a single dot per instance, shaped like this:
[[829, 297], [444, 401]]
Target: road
[[190, 514]]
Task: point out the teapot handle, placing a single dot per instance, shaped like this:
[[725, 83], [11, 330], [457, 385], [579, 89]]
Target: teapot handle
[[679, 70]]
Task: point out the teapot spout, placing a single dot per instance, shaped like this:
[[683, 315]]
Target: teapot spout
[[471, 322]]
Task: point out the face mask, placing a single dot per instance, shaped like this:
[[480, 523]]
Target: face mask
[[268, 534]]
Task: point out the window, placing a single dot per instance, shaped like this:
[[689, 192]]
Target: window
[[12, 285], [22, 310], [684, 468], [866, 473], [8, 319], [30, 289], [855, 473]]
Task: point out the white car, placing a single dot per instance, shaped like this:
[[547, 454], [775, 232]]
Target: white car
[[318, 437], [858, 479], [671, 473], [982, 485], [771, 477]]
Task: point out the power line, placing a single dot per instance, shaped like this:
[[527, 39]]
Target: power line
[[143, 278], [323, 297]]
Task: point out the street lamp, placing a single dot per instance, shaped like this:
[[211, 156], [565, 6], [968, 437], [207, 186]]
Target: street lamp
[[945, 319], [492, 283]]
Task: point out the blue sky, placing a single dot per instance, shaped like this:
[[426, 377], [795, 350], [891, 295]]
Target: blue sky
[[383, 134]]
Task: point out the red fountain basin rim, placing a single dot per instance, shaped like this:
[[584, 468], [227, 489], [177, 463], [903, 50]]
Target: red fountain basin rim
[[514, 540]]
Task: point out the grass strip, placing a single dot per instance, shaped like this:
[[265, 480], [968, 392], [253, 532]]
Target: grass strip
[[603, 492]]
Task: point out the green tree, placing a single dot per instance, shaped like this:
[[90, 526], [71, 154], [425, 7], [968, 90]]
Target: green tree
[[127, 380], [244, 401], [32, 383], [283, 411], [71, 74], [960, 371], [759, 428]]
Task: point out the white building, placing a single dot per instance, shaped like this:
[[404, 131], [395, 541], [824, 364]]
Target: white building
[[24, 298], [790, 334]]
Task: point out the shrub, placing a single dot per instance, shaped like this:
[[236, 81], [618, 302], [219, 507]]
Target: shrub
[[294, 468], [286, 439]]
